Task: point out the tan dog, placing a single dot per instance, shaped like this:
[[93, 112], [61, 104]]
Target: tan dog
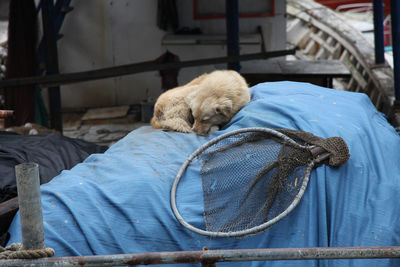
[[202, 105]]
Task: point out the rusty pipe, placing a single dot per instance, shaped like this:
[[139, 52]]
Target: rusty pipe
[[30, 206], [214, 256]]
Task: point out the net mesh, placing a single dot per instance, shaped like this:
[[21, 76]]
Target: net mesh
[[248, 179]]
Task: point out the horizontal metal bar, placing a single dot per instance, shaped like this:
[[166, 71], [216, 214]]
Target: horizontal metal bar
[[68, 78], [211, 256]]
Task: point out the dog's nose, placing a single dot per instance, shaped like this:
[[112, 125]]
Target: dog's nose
[[199, 132]]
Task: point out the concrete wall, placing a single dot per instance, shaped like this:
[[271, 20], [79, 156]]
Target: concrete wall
[[4, 6], [104, 33]]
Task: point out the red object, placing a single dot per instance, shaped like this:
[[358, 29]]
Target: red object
[[270, 13], [333, 4], [6, 113]]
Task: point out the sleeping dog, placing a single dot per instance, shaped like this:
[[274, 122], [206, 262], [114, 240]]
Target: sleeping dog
[[203, 104]]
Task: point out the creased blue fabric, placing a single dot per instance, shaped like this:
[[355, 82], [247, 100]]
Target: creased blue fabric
[[119, 201]]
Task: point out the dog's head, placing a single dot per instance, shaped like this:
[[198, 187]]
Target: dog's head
[[209, 112]]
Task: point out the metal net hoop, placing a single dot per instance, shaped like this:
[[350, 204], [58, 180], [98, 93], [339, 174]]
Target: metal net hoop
[[258, 228]]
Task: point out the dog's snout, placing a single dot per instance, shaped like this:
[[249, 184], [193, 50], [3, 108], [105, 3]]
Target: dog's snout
[[199, 128]]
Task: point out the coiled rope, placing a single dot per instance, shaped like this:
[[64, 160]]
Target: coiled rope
[[16, 251]]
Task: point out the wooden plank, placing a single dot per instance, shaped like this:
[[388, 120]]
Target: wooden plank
[[318, 72], [7, 211], [311, 47], [331, 68], [106, 113], [71, 121], [336, 51], [8, 206]]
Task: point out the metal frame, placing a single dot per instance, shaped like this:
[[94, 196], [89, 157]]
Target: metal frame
[[258, 228]]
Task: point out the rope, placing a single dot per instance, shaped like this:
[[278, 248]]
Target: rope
[[16, 251]]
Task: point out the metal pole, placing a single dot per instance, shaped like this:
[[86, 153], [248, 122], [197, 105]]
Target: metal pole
[[51, 57], [395, 13], [210, 257], [68, 78], [232, 32], [378, 32], [30, 206]]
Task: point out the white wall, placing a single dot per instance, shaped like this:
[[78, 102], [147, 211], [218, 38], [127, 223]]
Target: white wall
[[104, 33]]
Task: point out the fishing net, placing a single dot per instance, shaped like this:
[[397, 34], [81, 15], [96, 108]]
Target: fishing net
[[252, 178]]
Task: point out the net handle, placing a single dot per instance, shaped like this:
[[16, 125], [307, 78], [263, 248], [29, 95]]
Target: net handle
[[253, 230]]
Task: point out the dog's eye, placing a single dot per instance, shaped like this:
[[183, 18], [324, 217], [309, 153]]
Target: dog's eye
[[205, 119]]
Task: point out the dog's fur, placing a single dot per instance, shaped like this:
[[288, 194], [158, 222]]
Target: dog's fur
[[203, 104]]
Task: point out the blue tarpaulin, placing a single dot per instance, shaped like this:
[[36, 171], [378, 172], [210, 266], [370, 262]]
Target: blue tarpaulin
[[119, 201]]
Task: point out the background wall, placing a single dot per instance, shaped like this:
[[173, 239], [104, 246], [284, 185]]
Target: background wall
[[104, 33], [4, 9]]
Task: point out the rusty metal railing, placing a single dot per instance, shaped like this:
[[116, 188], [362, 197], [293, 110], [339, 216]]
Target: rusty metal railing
[[211, 257]]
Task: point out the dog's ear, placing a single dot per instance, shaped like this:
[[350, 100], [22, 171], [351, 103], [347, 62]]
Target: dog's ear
[[224, 106]]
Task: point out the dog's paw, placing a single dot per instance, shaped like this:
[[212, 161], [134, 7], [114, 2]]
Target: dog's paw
[[183, 129]]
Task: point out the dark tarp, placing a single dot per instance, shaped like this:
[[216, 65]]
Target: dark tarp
[[52, 152]]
